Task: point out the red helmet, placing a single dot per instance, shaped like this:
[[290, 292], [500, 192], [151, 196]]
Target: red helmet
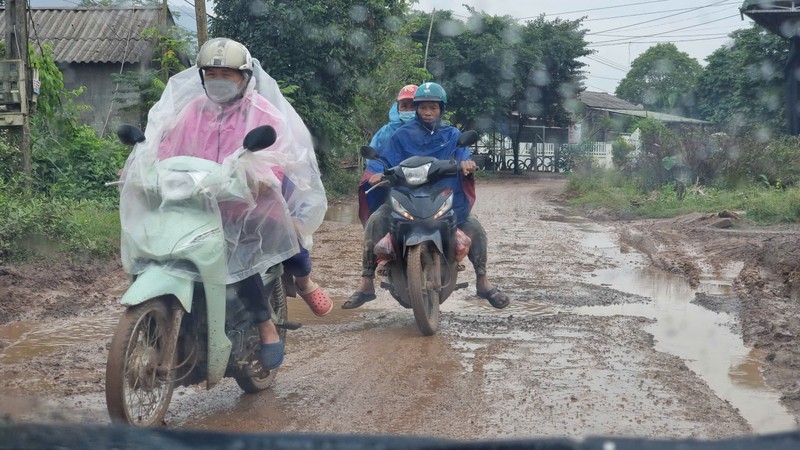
[[407, 92]]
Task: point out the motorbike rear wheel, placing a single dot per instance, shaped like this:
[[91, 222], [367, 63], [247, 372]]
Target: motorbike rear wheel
[[423, 271], [139, 382], [257, 382]]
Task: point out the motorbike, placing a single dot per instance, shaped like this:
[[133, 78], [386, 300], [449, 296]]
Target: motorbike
[[420, 250], [176, 330]]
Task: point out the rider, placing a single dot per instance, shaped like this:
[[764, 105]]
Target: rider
[[239, 96], [428, 136], [401, 112]]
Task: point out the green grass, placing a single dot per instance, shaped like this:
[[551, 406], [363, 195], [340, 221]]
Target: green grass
[[38, 226], [622, 197], [94, 230]]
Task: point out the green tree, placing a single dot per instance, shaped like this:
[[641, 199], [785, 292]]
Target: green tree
[[742, 87], [500, 74], [401, 64], [148, 85], [325, 48], [662, 79]]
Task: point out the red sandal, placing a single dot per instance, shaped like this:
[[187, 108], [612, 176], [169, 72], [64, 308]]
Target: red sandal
[[316, 299]]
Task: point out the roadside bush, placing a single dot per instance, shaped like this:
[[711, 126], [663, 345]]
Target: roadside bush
[[37, 226], [76, 164], [747, 160], [620, 150], [657, 143]]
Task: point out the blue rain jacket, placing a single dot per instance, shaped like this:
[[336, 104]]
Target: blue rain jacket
[[416, 139]]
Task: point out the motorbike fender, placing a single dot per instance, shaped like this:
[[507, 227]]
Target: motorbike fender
[[418, 236], [156, 282]]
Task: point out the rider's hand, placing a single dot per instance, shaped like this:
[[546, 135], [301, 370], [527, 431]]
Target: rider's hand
[[468, 167], [375, 179]]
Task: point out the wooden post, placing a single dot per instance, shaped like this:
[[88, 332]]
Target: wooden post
[[164, 14], [202, 23], [17, 48]]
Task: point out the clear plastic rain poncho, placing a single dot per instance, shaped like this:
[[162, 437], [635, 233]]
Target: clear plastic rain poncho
[[273, 200]]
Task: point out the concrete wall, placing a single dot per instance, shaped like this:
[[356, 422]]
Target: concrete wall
[[103, 109]]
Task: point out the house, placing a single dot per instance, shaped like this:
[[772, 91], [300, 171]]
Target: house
[[92, 44], [602, 117], [598, 120]]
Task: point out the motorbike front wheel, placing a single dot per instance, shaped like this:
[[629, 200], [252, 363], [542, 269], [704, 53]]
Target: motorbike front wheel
[[139, 382], [423, 271], [260, 381]]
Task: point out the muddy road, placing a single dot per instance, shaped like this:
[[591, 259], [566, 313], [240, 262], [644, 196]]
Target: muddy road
[[662, 329]]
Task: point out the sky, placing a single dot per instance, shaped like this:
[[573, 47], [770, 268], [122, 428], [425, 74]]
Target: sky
[[618, 30], [621, 30]]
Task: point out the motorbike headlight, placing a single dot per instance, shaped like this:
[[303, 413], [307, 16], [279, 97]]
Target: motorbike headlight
[[175, 185], [416, 175], [399, 209], [446, 206]]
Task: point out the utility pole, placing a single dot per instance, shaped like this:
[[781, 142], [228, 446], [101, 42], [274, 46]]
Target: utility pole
[[202, 27], [428, 43], [17, 49], [164, 14]]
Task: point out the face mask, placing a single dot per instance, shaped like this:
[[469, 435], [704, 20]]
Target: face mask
[[221, 91], [407, 116]]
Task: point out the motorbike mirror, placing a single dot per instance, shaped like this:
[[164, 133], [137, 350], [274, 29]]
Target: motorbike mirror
[[130, 134], [369, 152], [468, 138], [259, 138]]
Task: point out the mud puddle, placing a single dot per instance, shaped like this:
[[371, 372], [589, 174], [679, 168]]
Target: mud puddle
[[25, 340], [707, 341]]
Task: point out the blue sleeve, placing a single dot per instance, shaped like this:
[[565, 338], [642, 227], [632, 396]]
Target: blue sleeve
[[392, 150], [382, 135], [463, 153]]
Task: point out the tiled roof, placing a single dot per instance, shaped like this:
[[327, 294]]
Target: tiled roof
[[604, 100], [92, 35]]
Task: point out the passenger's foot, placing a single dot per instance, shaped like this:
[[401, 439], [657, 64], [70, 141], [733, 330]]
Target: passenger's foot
[[382, 269], [271, 356], [496, 297], [357, 299], [316, 299]]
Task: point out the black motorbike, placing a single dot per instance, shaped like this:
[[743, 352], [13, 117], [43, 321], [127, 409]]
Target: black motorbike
[[422, 268]]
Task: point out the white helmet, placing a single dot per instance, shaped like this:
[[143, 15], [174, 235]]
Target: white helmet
[[224, 52]]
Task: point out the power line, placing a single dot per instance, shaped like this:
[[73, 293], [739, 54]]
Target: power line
[[657, 19], [614, 66], [599, 9], [658, 42], [662, 33], [646, 13]]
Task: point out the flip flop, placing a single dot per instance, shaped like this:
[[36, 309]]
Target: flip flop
[[357, 299], [271, 356], [496, 297]]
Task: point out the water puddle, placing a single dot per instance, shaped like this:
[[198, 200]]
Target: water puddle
[[342, 212], [29, 339], [702, 338]]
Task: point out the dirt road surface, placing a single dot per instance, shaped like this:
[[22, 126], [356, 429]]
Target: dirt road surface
[[660, 328]]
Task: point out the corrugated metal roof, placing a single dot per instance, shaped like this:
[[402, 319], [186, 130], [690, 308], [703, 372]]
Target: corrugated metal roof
[[661, 117], [605, 100], [93, 35]]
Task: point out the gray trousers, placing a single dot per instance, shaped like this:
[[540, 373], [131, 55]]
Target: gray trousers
[[379, 224]]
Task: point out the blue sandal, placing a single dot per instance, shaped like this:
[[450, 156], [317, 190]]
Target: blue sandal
[[358, 299], [271, 356], [496, 297]]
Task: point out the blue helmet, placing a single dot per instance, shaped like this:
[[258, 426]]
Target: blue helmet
[[431, 92]]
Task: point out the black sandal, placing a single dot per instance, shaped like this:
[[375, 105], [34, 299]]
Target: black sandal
[[496, 297], [357, 299]]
